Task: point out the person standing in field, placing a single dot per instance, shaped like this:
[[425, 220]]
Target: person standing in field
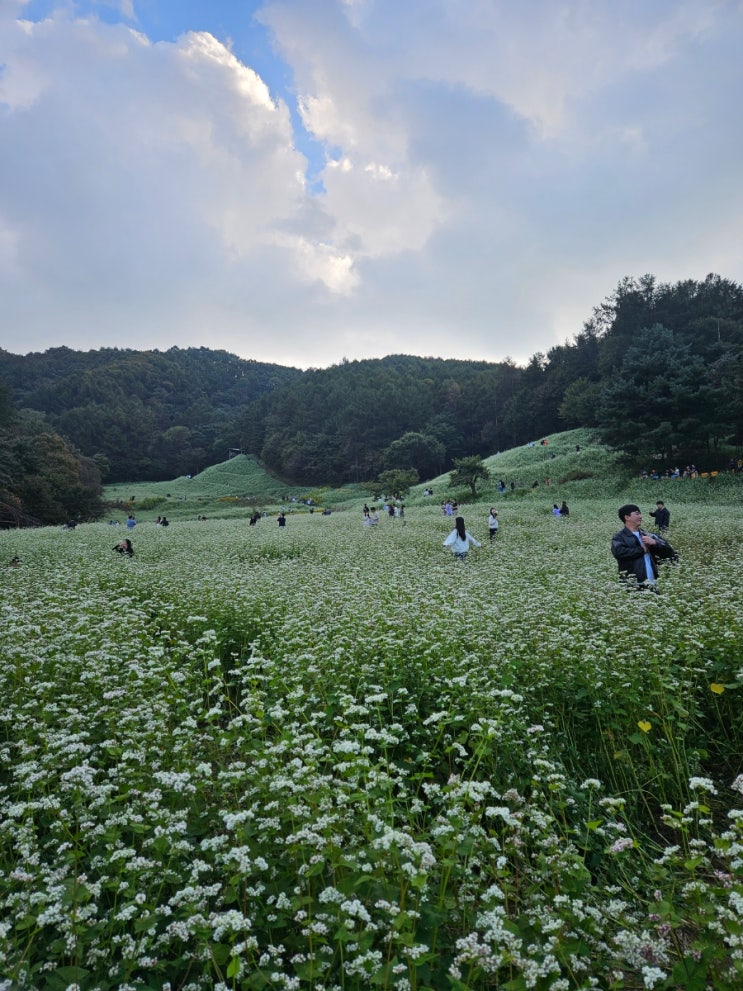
[[661, 515], [493, 523], [460, 539], [636, 552]]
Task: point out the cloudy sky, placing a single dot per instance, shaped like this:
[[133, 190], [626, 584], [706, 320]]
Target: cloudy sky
[[302, 181]]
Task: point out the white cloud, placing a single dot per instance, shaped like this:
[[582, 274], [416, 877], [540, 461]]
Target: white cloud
[[136, 168], [492, 171], [319, 262]]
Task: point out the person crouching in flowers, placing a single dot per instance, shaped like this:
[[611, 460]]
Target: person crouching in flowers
[[125, 547], [459, 539]]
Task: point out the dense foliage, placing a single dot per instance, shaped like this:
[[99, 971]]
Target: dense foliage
[[335, 757], [351, 421], [676, 353], [42, 479], [657, 371], [142, 414]]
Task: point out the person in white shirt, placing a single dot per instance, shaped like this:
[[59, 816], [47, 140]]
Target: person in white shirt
[[460, 539], [493, 523]]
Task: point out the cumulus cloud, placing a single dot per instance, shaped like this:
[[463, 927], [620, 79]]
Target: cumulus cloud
[[489, 173], [138, 173], [554, 148]]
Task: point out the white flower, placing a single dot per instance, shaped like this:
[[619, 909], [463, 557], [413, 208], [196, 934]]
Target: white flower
[[702, 784], [652, 975]]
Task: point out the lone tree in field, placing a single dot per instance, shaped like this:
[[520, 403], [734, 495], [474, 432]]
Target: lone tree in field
[[468, 471]]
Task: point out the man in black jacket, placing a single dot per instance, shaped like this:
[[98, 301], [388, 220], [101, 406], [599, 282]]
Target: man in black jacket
[[636, 551], [661, 516]]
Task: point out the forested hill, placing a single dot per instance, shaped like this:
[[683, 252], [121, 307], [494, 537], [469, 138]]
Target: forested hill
[[144, 415], [351, 421], [657, 370]]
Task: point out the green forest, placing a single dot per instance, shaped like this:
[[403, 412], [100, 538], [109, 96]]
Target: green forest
[[656, 371]]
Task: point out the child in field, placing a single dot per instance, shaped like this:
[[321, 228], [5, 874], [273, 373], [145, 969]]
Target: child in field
[[493, 523]]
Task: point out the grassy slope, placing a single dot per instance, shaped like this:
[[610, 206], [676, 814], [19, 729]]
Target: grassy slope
[[223, 490], [235, 486]]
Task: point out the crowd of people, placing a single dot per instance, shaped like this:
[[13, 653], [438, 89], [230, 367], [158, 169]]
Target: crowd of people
[[637, 552], [734, 466]]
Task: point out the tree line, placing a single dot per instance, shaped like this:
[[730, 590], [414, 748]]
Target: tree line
[[143, 415], [657, 369]]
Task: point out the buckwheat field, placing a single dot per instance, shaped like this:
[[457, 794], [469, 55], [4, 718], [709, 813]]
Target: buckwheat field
[[334, 757]]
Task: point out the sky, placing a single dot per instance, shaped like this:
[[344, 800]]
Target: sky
[[308, 181]]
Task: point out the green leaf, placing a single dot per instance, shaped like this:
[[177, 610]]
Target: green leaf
[[62, 977]]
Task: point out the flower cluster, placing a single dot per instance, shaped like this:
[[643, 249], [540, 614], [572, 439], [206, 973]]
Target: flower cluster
[[328, 758]]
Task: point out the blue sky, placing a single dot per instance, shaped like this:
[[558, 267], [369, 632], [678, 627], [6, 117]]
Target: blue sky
[[303, 182]]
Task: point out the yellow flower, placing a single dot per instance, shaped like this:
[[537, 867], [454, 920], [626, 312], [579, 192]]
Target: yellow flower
[[644, 725], [717, 688]]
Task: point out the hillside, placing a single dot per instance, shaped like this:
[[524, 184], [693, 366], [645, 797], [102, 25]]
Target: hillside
[[230, 488], [234, 487], [657, 372], [142, 414]]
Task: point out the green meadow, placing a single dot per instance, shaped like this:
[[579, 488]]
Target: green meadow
[[332, 756], [228, 489]]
